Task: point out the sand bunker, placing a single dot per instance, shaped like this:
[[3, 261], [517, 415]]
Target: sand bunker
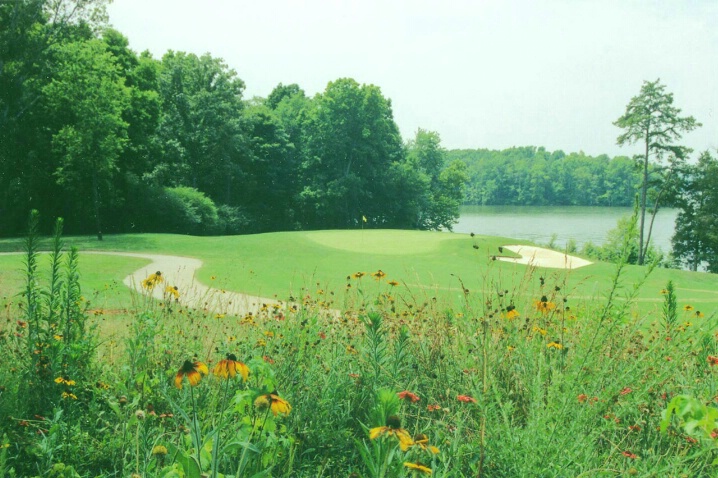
[[541, 257]]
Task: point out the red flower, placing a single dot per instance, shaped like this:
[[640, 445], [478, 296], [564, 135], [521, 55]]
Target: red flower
[[582, 398], [625, 391], [712, 360], [466, 399], [408, 396], [630, 455], [434, 407]]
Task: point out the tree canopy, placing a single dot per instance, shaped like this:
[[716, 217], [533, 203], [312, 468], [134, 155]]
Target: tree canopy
[[117, 141]]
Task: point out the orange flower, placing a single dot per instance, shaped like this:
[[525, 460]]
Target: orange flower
[[630, 455], [466, 399], [408, 396], [582, 398], [434, 407], [193, 371], [712, 360], [625, 391], [230, 367]]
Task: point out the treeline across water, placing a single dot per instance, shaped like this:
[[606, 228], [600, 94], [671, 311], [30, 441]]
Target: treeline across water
[[532, 176]]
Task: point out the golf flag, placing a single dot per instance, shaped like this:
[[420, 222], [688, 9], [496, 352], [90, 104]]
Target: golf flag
[[363, 218]]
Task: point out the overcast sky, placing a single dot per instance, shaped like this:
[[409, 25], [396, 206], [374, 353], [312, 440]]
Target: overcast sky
[[483, 74]]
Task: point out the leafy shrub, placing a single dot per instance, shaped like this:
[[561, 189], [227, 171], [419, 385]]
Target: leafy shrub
[[184, 210]]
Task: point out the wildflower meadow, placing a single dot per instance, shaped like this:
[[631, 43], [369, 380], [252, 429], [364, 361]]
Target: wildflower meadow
[[375, 378]]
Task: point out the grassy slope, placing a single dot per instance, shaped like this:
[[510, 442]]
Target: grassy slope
[[430, 263]]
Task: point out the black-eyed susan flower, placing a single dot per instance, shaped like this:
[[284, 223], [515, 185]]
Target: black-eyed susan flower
[[173, 291], [64, 380], [418, 468], [230, 367], [378, 275], [687, 307], [422, 441], [554, 345], [700, 314], [69, 396], [544, 305], [358, 275], [152, 280], [511, 312], [274, 403], [193, 371], [393, 428]]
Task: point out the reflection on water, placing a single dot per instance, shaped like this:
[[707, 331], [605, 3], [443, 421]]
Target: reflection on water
[[538, 224]]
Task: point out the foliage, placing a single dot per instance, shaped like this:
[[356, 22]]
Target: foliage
[[92, 131], [651, 118], [184, 210], [530, 176], [695, 243]]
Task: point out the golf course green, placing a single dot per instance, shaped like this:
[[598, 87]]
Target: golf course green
[[425, 264]]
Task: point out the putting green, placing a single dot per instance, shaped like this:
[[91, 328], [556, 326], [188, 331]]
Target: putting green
[[382, 241]]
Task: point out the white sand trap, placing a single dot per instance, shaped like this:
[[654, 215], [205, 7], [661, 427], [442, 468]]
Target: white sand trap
[[541, 257]]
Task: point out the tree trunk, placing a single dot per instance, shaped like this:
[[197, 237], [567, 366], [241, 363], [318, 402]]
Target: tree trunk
[[644, 193], [96, 205]]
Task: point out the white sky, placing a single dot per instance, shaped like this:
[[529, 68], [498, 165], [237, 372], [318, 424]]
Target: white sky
[[482, 73]]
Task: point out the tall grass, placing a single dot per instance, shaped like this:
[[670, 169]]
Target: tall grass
[[519, 379]]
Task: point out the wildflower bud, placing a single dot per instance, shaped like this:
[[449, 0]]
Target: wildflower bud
[[159, 450], [262, 403], [123, 400], [140, 414]]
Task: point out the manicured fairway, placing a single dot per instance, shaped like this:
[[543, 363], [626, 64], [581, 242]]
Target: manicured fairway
[[426, 265]]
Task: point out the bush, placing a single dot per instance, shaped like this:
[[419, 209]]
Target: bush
[[184, 210]]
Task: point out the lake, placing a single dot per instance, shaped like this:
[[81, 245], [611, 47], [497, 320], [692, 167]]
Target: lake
[[539, 223]]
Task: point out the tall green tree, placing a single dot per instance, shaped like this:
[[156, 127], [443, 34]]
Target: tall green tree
[[652, 119], [695, 242], [28, 31], [200, 125], [352, 143], [438, 206], [89, 97]]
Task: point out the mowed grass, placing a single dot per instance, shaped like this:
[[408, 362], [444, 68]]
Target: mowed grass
[[427, 265]]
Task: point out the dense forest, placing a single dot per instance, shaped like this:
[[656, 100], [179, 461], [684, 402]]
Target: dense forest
[[115, 141], [531, 176]]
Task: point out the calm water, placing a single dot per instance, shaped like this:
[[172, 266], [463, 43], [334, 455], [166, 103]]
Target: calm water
[[537, 224]]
